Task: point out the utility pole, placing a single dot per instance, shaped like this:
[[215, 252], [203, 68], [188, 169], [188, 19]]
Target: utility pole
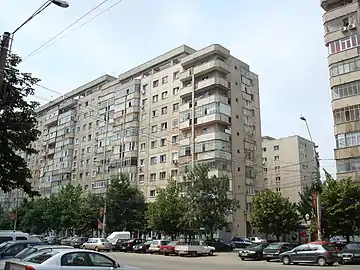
[[193, 119], [106, 119], [5, 43]]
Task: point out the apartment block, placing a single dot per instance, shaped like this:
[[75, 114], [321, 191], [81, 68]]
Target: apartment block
[[289, 165], [341, 24], [155, 122]]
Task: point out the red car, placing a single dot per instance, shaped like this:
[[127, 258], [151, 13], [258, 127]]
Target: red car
[[168, 248]]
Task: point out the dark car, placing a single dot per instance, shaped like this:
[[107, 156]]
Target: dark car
[[127, 246], [142, 248], [77, 242], [10, 249], [272, 251], [310, 253], [254, 251], [240, 242], [219, 245], [350, 253]]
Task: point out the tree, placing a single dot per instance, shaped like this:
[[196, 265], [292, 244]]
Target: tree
[[33, 218], [5, 222], [17, 128], [208, 200], [304, 206], [274, 214], [90, 213], [164, 215], [126, 206], [341, 206]]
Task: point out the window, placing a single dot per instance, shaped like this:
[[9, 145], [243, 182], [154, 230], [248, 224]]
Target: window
[[164, 110], [142, 146], [163, 158], [156, 83], [346, 114], [175, 123], [164, 126], [155, 98], [277, 168], [276, 157], [346, 90], [175, 139], [175, 107], [345, 66], [164, 80], [154, 113], [153, 161], [343, 44], [162, 142], [264, 170], [153, 144], [162, 175], [98, 260], [154, 129], [176, 75], [348, 165], [141, 178], [347, 139], [152, 193], [264, 149], [278, 189], [276, 147], [277, 179], [143, 102], [175, 91], [164, 95]]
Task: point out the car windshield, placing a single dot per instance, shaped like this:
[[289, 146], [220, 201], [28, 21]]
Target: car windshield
[[103, 240], [172, 244], [25, 252], [275, 246], [147, 243], [352, 246], [328, 247], [252, 245], [4, 245], [39, 257]]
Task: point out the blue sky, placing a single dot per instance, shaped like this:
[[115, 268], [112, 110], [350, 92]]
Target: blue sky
[[281, 40]]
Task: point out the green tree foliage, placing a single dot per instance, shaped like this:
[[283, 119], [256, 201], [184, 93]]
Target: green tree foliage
[[89, 213], [208, 202], [125, 206], [5, 222], [32, 216], [164, 215], [274, 214], [304, 206], [341, 206], [17, 127]]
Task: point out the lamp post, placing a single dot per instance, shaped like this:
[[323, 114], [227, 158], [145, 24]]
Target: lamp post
[[315, 187], [7, 38]]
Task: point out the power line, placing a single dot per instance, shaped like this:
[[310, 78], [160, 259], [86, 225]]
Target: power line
[[48, 44]]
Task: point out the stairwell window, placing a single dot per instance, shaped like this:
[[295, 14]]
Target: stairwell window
[[163, 159]]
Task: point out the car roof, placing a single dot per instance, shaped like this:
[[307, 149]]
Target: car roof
[[53, 247], [24, 242]]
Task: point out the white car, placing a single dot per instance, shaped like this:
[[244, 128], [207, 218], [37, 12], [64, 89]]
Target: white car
[[71, 259], [195, 248], [156, 245], [257, 240]]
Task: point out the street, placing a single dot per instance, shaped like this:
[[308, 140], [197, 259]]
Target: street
[[228, 261]]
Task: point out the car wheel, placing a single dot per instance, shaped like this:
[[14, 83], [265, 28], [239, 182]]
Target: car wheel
[[267, 260], [331, 263], [211, 253], [243, 259], [97, 249], [321, 261], [286, 260]]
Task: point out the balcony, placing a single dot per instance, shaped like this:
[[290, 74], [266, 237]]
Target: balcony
[[217, 135], [68, 104], [206, 120], [204, 53], [339, 11], [205, 85], [51, 121], [204, 100], [214, 65]]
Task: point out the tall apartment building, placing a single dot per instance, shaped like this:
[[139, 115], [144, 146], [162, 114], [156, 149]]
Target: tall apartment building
[[155, 121], [289, 164], [341, 23]]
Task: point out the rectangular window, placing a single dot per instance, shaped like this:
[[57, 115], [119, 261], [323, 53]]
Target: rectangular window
[[164, 110], [163, 159], [155, 98], [175, 91], [162, 175], [343, 44], [155, 83], [153, 161], [175, 107], [176, 75], [343, 67], [153, 177], [164, 80], [164, 95]]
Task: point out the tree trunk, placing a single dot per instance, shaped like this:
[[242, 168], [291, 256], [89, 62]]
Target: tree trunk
[[277, 237], [211, 233]]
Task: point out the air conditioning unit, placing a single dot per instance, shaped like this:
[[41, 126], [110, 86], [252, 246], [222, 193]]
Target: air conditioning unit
[[352, 26], [343, 29], [175, 162]]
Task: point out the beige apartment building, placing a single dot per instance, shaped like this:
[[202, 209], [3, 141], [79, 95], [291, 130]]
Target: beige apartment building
[[289, 164], [154, 122], [341, 23]]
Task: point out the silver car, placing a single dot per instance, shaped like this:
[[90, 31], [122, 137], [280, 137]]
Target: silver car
[[98, 244], [71, 259]]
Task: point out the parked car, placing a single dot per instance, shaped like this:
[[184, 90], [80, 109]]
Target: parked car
[[257, 240], [155, 246], [272, 251], [142, 248], [350, 254], [10, 249], [240, 242], [74, 259], [52, 240], [66, 241], [220, 245], [98, 244], [127, 246], [254, 251], [310, 253], [194, 248], [169, 248], [77, 242], [6, 236], [31, 250]]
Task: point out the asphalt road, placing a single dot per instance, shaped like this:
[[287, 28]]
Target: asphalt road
[[223, 261]]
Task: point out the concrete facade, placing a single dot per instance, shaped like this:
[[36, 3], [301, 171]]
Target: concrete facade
[[154, 121], [341, 23], [289, 164]]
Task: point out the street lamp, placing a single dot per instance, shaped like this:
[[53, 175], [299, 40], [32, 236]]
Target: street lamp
[[5, 42], [316, 188]]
